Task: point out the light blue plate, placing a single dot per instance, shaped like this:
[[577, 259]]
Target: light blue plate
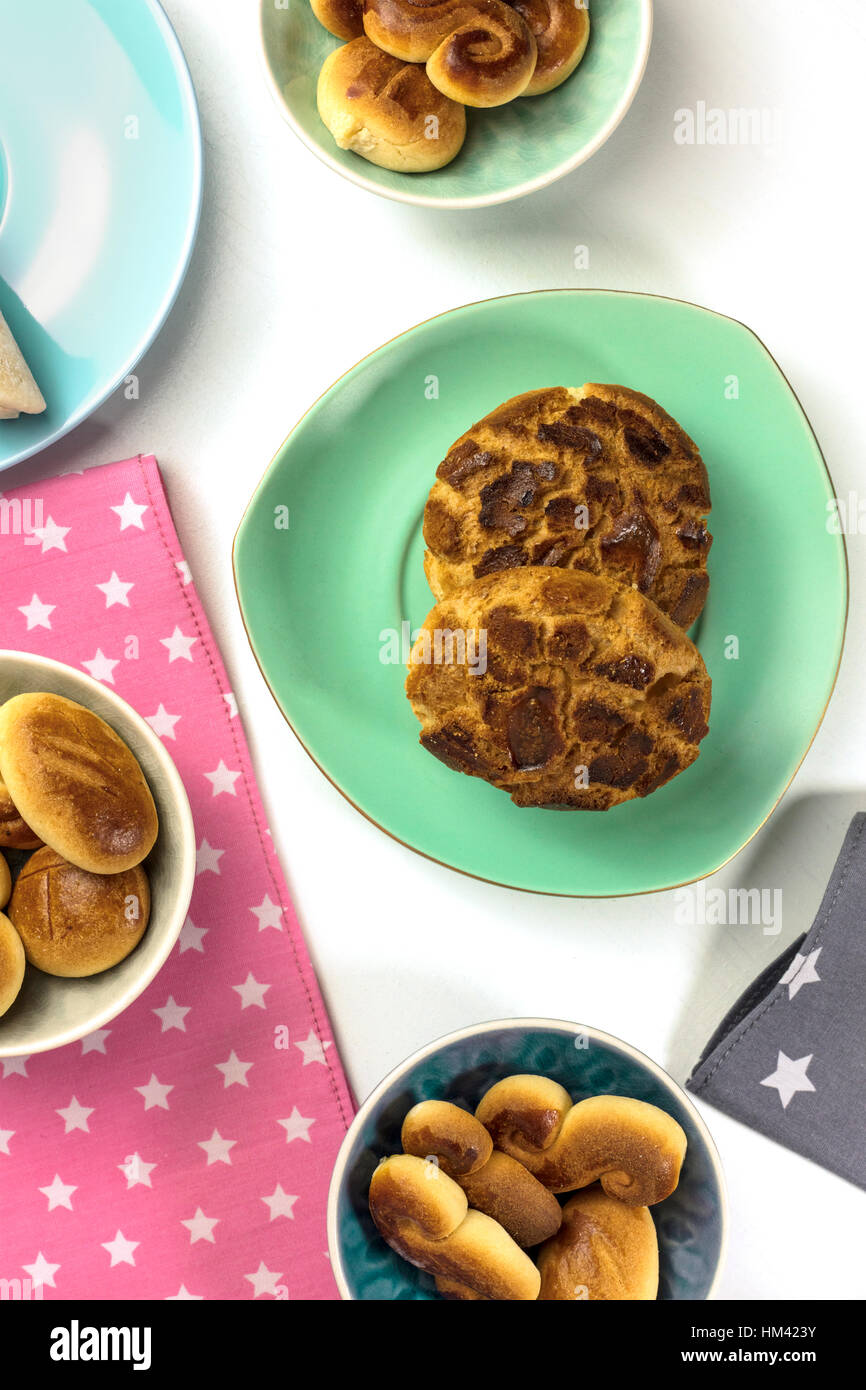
[[691, 1224], [100, 190]]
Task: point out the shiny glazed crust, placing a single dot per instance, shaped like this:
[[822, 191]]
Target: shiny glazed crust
[[605, 1251], [561, 32], [342, 18], [12, 963]]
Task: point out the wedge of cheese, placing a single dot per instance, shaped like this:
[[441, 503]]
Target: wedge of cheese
[[18, 391]]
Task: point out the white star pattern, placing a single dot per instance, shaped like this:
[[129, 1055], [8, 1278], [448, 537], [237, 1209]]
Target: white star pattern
[[59, 1193], [801, 972], [172, 1015], [297, 1127], [183, 1295], [116, 591], [179, 647], [217, 1148], [15, 1066], [155, 1094], [101, 667], [222, 780], [38, 614], [234, 1071], [280, 1204], [200, 1227], [94, 1042], [207, 859], [130, 513], [232, 704], [269, 914], [252, 993], [52, 536], [313, 1049], [183, 570], [264, 1280], [789, 1078], [136, 1171], [191, 937], [163, 723], [5, 1136], [120, 1249], [41, 1271], [76, 1116]]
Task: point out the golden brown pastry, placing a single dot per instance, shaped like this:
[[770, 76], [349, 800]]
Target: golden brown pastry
[[14, 834], [342, 18], [561, 32], [5, 881], [388, 111], [73, 923], [425, 1217], [478, 52], [11, 964], [634, 1149], [605, 1251], [598, 479], [18, 390], [76, 783], [559, 687], [494, 1183]]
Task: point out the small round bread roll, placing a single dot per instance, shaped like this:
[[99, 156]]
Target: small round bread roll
[[604, 1251], [73, 923], [388, 111], [342, 18], [561, 32], [5, 882], [11, 964], [76, 783], [14, 833]]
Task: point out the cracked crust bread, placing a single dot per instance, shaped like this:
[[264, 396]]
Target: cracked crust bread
[[599, 479], [387, 110], [587, 694]]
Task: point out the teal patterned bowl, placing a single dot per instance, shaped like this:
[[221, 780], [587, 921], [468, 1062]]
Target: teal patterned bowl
[[510, 150], [691, 1224]]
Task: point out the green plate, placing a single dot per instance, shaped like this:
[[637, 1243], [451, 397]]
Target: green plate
[[509, 151], [328, 558]]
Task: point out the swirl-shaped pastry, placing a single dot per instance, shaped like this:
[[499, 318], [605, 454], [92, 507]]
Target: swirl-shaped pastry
[[387, 110], [425, 1217], [561, 32], [494, 1183], [634, 1149], [478, 52], [342, 18]]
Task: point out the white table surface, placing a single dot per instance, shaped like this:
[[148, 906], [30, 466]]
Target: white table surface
[[297, 274]]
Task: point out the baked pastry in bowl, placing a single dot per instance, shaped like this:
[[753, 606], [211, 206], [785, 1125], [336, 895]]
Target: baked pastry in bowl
[[600, 479], [559, 687]]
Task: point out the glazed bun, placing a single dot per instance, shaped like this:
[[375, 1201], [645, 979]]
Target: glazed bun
[[14, 834], [74, 923], [478, 52], [388, 111], [76, 783], [11, 963], [5, 882], [561, 32], [342, 18], [604, 1251]]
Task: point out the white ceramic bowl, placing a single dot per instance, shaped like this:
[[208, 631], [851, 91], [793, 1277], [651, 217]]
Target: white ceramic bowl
[[50, 1012]]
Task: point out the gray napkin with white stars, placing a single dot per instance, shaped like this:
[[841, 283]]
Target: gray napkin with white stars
[[789, 1058]]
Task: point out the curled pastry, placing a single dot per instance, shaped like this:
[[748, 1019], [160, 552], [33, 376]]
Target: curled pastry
[[634, 1149], [479, 52], [424, 1216], [388, 111], [14, 832], [342, 18], [605, 1251], [493, 1182], [561, 32]]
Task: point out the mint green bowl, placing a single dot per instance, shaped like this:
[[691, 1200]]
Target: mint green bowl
[[691, 1224], [352, 479], [510, 150]]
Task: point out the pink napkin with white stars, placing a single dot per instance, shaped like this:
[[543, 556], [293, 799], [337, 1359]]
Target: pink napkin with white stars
[[183, 1151]]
